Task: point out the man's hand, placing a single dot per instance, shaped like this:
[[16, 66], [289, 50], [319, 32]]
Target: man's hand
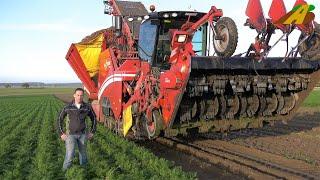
[[63, 137], [89, 136]]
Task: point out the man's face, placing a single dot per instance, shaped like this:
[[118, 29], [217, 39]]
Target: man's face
[[78, 97]]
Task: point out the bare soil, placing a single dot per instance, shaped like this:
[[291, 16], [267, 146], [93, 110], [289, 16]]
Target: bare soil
[[299, 139], [67, 98], [295, 144], [190, 163], [64, 97]]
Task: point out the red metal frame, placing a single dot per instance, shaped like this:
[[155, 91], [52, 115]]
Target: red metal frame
[[180, 69], [120, 68], [276, 11], [74, 59], [256, 17], [125, 29]]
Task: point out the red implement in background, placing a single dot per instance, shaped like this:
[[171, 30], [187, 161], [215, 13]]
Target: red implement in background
[[266, 27], [256, 18]]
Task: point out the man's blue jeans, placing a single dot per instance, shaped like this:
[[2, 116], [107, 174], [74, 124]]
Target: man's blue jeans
[[71, 142]]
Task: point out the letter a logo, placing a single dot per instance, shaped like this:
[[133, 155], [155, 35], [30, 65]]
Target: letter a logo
[[300, 14]]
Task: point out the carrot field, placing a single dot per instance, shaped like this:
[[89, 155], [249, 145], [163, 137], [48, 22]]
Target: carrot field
[[31, 149]]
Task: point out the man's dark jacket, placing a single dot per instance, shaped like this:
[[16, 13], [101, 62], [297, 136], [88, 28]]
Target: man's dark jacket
[[76, 118]]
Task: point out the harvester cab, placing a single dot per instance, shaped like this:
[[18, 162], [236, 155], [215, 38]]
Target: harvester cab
[[156, 34]]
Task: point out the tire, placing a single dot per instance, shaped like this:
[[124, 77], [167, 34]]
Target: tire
[[156, 123], [109, 121], [227, 28], [310, 49]]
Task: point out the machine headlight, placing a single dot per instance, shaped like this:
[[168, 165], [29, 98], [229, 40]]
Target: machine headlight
[[146, 17], [174, 14], [182, 38], [130, 19], [166, 15]]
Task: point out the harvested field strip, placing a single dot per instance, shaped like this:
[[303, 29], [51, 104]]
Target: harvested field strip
[[20, 92], [254, 163]]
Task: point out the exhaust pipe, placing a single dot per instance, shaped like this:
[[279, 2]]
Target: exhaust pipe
[[118, 25]]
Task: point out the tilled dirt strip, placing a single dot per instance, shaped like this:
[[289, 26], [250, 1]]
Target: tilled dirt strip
[[301, 142], [281, 161], [66, 98], [204, 169], [253, 163], [232, 166]]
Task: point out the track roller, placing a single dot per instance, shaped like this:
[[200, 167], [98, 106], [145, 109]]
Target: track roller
[[233, 106], [280, 103], [212, 108], [253, 105], [271, 106], [244, 105], [263, 104], [289, 103], [222, 107], [201, 108]]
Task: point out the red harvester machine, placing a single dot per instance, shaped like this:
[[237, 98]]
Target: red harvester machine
[[151, 73]]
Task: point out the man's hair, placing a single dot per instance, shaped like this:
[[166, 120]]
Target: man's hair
[[78, 89]]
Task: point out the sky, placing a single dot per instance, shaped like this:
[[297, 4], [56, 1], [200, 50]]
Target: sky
[[35, 35]]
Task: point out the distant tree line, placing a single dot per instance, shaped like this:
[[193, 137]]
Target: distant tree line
[[25, 85], [7, 86]]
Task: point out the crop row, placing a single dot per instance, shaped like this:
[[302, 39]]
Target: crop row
[[16, 136], [31, 149]]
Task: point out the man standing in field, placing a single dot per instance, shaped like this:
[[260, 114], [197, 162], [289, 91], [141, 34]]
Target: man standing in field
[[75, 134]]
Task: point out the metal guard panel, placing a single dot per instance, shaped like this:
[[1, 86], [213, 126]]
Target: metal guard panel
[[249, 64], [128, 8]]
